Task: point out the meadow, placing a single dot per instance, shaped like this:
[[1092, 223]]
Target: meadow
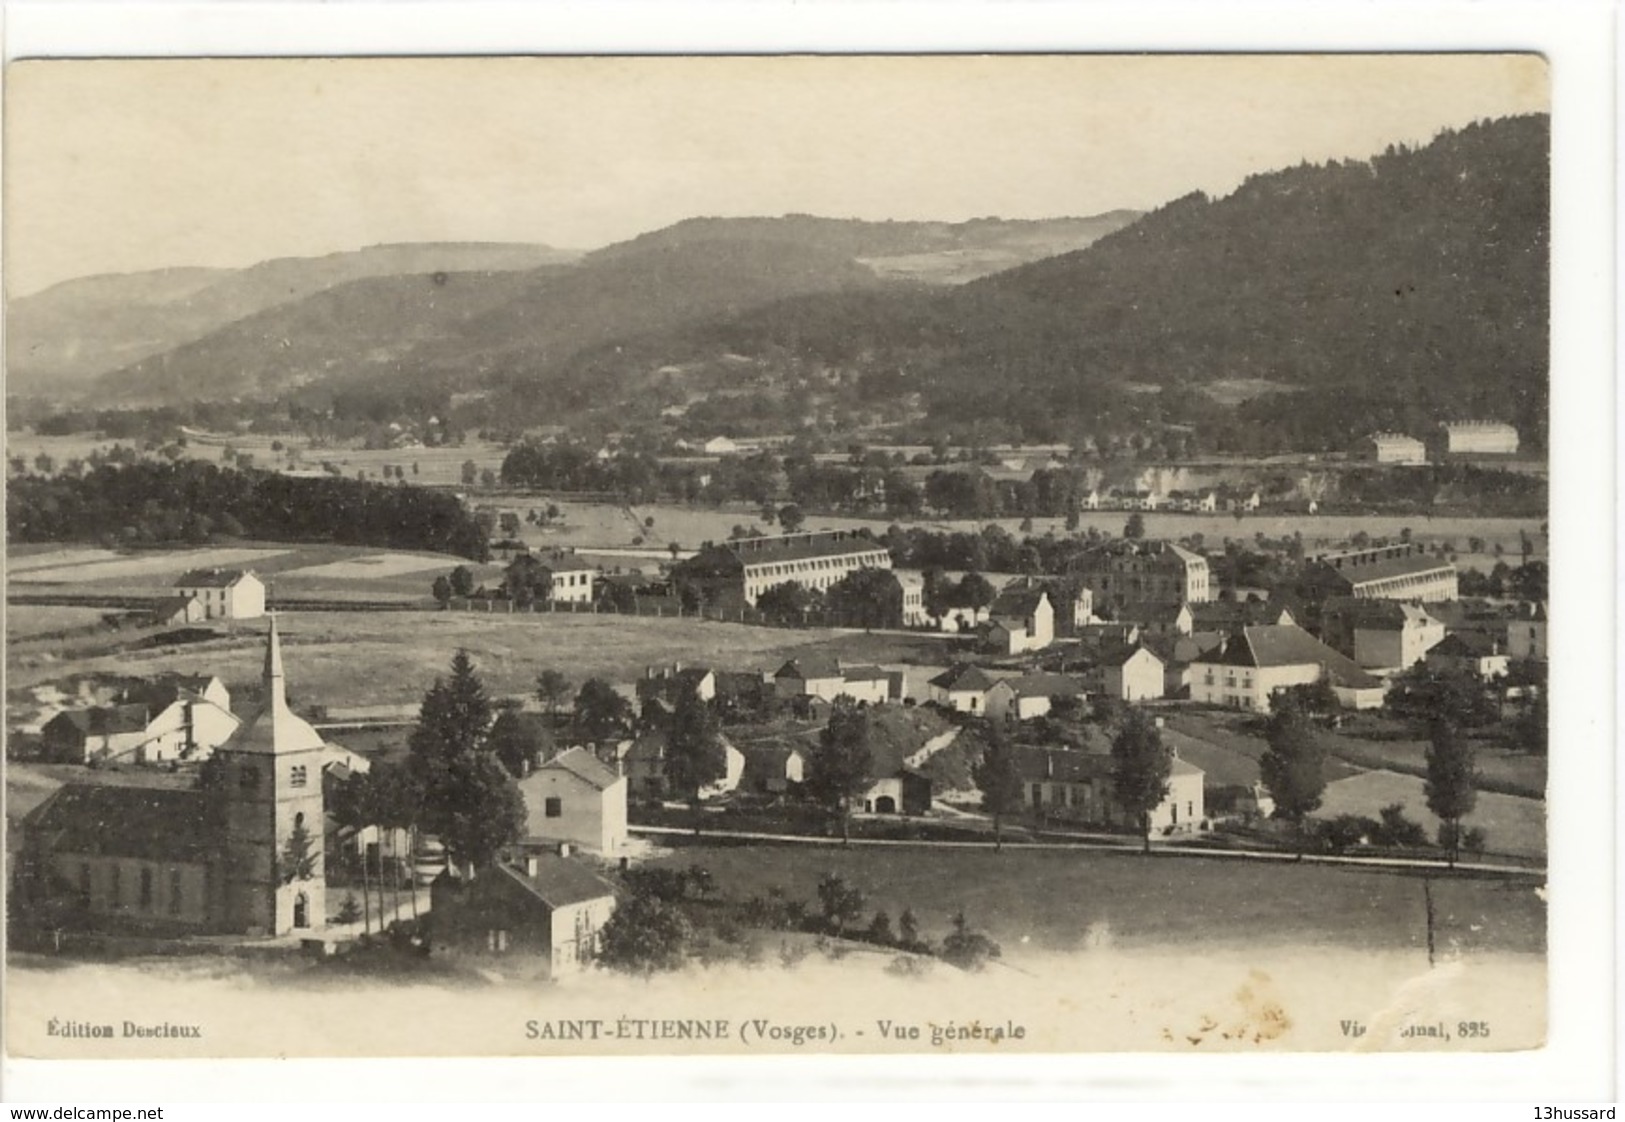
[[343, 659], [1059, 901]]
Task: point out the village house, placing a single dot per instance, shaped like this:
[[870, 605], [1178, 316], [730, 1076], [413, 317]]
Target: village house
[[177, 611], [1029, 696], [1177, 653], [1238, 498], [540, 914], [1159, 619], [962, 688], [730, 576], [894, 786], [209, 858], [775, 766], [1469, 652], [1255, 662], [1393, 448], [903, 791], [1132, 673], [1392, 572], [1021, 620], [1526, 631], [911, 585], [670, 683], [224, 593], [720, 446], [172, 718], [1126, 572], [644, 768], [577, 799], [1073, 604], [821, 676], [1226, 615], [1077, 787], [568, 581], [1476, 438], [1380, 634]]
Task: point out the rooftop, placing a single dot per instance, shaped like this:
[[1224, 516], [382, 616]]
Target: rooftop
[[583, 765], [146, 823], [210, 578], [963, 677], [802, 547], [558, 881]]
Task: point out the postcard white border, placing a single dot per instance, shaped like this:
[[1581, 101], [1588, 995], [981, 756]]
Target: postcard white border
[[1580, 40]]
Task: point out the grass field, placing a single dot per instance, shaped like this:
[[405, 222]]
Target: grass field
[[1361, 778], [1057, 901], [341, 659], [33, 621], [1511, 825]]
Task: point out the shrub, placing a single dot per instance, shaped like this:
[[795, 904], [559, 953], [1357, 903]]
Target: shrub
[[1346, 831], [967, 949], [1395, 830]]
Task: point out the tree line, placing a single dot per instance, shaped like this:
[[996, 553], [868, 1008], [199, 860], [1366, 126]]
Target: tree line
[[161, 503]]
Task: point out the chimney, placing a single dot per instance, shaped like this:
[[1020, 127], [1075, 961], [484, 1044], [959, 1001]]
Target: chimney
[[533, 865], [564, 849], [1049, 765]]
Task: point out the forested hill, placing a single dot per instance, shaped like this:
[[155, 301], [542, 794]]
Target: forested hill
[[1393, 292], [1390, 293]]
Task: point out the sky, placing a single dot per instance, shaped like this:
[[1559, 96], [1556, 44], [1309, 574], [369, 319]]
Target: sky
[[116, 166]]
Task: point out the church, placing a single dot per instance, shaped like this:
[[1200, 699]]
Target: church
[[239, 853]]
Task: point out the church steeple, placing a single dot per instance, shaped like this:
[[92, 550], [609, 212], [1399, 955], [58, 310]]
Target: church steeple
[[275, 728], [276, 693]]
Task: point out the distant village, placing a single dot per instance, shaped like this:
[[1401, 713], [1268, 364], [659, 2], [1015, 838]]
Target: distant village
[[258, 848]]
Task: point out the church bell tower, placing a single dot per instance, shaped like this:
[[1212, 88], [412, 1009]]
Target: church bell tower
[[271, 878]]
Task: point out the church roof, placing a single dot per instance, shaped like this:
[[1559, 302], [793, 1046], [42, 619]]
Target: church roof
[[146, 823]]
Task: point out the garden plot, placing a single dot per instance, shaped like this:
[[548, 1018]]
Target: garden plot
[[148, 565], [377, 565]]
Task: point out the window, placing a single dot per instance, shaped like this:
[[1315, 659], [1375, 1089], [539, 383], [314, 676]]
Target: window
[[84, 881], [496, 941], [1038, 794], [554, 807], [146, 889], [115, 887], [296, 777], [174, 892]]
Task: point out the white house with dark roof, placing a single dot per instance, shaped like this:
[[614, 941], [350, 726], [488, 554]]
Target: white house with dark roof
[[224, 593], [1132, 673], [569, 581], [147, 722], [1380, 634], [1470, 652], [963, 688], [1526, 631], [1255, 662], [1029, 696], [1073, 786], [1021, 620], [1393, 448], [575, 798], [535, 914]]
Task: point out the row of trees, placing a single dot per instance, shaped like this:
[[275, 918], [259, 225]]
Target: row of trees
[[153, 502]]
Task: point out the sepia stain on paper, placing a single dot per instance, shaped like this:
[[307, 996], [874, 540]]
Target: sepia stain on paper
[[640, 556]]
